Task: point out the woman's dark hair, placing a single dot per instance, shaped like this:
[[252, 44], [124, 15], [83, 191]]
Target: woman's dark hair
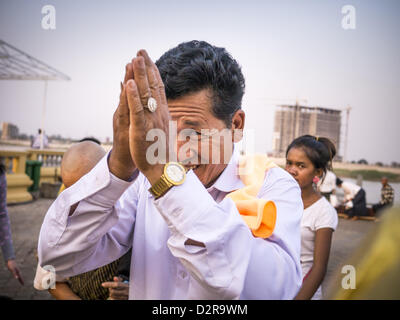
[[2, 168], [197, 65], [319, 150]]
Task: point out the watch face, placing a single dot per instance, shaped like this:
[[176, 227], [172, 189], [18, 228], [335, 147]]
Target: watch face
[[175, 172]]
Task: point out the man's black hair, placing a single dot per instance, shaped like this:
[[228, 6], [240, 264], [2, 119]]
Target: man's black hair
[[197, 65]]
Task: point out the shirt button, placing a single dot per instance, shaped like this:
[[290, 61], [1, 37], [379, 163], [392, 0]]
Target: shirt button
[[183, 274]]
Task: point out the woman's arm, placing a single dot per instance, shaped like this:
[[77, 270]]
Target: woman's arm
[[323, 239], [5, 232]]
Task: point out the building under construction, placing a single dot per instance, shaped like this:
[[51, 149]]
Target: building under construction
[[9, 131], [292, 121]]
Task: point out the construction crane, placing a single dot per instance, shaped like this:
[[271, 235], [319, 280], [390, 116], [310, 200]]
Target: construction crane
[[280, 101], [347, 109]]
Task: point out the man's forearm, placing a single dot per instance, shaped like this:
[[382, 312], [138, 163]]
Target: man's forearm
[[66, 240], [122, 171]]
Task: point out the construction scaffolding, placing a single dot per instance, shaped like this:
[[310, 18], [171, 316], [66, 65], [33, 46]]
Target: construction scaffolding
[[292, 121]]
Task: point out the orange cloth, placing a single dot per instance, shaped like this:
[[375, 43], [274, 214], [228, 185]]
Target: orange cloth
[[259, 214]]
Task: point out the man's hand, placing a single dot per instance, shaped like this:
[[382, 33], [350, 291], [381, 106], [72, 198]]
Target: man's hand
[[120, 162], [118, 289], [13, 268], [146, 83]]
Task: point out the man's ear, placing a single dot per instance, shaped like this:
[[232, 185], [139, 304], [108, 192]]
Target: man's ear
[[238, 125]]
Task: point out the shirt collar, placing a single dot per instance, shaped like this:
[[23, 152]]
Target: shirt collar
[[229, 179]]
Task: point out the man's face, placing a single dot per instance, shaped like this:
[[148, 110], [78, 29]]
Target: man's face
[[197, 134], [384, 181]]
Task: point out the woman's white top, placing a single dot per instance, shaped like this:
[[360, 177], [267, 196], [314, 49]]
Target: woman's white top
[[319, 215]]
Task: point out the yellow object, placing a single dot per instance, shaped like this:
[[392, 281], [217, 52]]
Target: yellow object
[[62, 188], [259, 214], [376, 263], [50, 174], [18, 181], [17, 186], [14, 165]]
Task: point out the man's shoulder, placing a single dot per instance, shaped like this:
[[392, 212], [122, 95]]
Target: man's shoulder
[[278, 178], [277, 173]]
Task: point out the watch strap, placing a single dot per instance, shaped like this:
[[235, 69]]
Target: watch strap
[[160, 187]]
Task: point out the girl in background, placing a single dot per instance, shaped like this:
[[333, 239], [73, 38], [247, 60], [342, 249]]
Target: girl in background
[[307, 159]]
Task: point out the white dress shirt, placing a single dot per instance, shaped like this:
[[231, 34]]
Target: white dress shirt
[[350, 190], [114, 215], [328, 183]]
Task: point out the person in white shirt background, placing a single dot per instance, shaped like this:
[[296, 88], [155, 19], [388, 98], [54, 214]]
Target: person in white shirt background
[[37, 141], [327, 185], [308, 157], [189, 242], [354, 199], [338, 199]]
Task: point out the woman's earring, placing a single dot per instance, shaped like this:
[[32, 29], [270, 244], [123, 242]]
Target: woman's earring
[[315, 180]]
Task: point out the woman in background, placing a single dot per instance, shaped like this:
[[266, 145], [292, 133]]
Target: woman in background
[[309, 158], [5, 229]]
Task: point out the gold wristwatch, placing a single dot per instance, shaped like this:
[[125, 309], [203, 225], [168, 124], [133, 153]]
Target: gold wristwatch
[[174, 175]]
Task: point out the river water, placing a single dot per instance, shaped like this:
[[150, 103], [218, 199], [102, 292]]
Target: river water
[[373, 190]]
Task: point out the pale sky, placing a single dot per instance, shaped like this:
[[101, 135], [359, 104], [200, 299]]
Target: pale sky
[[287, 49]]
